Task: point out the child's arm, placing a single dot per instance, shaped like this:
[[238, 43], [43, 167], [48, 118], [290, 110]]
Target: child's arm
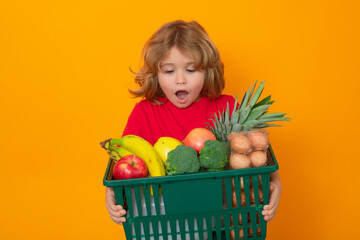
[[275, 192], [116, 211]]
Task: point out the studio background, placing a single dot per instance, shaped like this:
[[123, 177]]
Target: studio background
[[64, 74]]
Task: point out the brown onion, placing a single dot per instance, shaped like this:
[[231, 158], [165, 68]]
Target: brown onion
[[259, 140], [258, 158], [239, 161], [241, 143]]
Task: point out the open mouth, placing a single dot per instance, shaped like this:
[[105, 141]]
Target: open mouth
[[182, 94]]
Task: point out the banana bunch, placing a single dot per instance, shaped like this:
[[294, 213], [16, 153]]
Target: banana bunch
[[131, 144], [115, 151]]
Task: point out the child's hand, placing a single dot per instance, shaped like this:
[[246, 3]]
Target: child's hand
[[116, 211], [270, 210]]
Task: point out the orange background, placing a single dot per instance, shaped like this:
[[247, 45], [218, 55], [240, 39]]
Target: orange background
[[64, 73]]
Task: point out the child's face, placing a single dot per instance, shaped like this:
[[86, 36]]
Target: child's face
[[179, 79]]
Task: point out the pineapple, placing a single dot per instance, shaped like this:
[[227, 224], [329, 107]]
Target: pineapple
[[249, 115]]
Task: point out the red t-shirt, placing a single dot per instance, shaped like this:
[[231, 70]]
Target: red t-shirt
[[152, 121]]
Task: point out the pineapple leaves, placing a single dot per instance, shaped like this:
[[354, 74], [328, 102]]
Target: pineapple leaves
[[265, 120], [264, 125], [237, 127], [244, 114], [249, 102], [271, 125], [228, 127], [235, 117], [227, 117], [251, 114], [252, 90], [257, 112], [251, 124], [264, 101], [220, 116], [235, 105], [216, 127], [257, 94], [245, 100], [210, 127], [272, 115]]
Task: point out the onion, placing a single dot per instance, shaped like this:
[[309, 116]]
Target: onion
[[233, 195], [258, 232], [259, 194], [241, 143], [241, 234], [239, 161], [232, 232], [252, 195], [242, 199], [241, 183], [258, 158], [230, 136], [259, 140]]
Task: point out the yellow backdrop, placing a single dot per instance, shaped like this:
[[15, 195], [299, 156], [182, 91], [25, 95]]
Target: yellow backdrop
[[64, 75]]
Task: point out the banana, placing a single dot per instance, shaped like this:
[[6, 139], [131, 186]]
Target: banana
[[121, 151], [113, 155], [144, 150], [115, 152], [118, 152], [164, 145]]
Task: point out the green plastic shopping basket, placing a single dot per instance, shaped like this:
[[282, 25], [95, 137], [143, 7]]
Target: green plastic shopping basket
[[205, 205]]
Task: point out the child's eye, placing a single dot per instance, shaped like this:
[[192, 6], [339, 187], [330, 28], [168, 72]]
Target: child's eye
[[191, 70], [168, 71]]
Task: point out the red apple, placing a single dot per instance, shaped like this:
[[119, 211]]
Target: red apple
[[130, 166], [197, 137]]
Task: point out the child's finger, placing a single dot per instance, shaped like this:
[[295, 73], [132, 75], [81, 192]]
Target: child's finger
[[118, 220], [114, 208], [110, 206], [117, 214], [266, 207], [268, 214], [269, 217], [266, 210], [271, 204]]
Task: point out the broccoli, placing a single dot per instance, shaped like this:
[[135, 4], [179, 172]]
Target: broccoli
[[214, 155], [182, 159]]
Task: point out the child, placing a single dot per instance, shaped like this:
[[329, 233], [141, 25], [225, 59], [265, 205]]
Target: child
[[181, 81]]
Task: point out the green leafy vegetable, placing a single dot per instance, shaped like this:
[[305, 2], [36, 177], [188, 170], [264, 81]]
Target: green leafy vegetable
[[214, 155], [182, 159]]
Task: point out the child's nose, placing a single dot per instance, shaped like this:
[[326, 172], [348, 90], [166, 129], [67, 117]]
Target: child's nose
[[180, 78]]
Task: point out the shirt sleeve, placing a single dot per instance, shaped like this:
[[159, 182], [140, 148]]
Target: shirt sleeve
[[134, 123]]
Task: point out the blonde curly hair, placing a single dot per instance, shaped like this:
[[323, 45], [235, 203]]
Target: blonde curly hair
[[192, 40]]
